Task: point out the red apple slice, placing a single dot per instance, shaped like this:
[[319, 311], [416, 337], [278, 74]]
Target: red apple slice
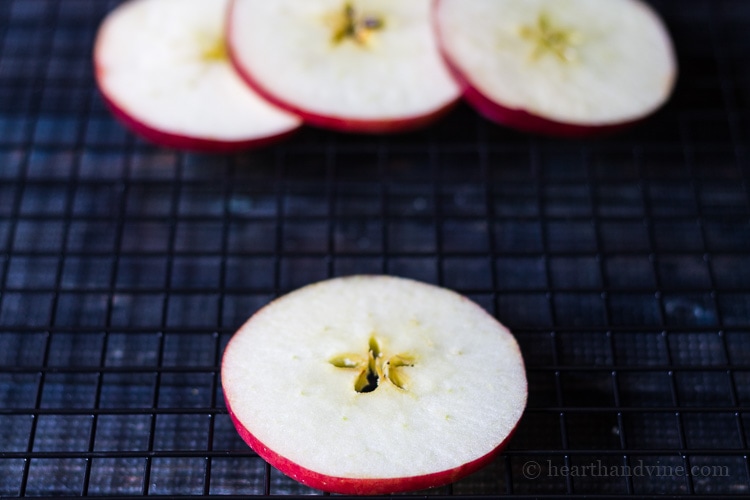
[[374, 384], [568, 68], [369, 66], [162, 67]]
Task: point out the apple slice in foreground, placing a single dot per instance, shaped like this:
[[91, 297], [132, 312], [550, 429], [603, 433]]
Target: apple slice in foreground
[[162, 67], [367, 66], [374, 384], [568, 68]]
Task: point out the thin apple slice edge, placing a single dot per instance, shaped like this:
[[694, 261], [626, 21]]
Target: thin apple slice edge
[[544, 67], [454, 407], [361, 486], [259, 72], [162, 71]]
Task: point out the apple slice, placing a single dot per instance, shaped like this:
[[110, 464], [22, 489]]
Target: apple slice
[[374, 384], [162, 67], [567, 68], [368, 66]]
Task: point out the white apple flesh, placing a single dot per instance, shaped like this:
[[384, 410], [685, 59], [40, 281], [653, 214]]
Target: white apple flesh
[[558, 67], [374, 385], [366, 66], [162, 67]]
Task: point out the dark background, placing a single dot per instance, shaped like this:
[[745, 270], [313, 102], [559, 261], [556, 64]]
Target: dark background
[[622, 265]]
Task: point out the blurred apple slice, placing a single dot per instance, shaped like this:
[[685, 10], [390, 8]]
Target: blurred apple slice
[[558, 67], [368, 66], [374, 384], [162, 67]]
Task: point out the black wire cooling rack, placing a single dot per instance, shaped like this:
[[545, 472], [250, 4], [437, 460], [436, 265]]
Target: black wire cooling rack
[[622, 265]]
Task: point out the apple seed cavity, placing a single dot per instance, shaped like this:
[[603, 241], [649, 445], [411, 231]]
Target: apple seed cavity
[[349, 24], [549, 39], [375, 367]]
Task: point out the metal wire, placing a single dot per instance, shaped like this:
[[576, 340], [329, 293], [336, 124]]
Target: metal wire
[[620, 263]]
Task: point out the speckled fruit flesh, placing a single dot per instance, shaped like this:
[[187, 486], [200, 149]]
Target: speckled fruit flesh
[[162, 68], [558, 67], [363, 66], [374, 385]]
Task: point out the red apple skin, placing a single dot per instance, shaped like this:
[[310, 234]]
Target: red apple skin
[[336, 123], [364, 486], [521, 119], [187, 143]]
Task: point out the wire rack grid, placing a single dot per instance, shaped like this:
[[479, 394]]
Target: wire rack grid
[[621, 264]]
